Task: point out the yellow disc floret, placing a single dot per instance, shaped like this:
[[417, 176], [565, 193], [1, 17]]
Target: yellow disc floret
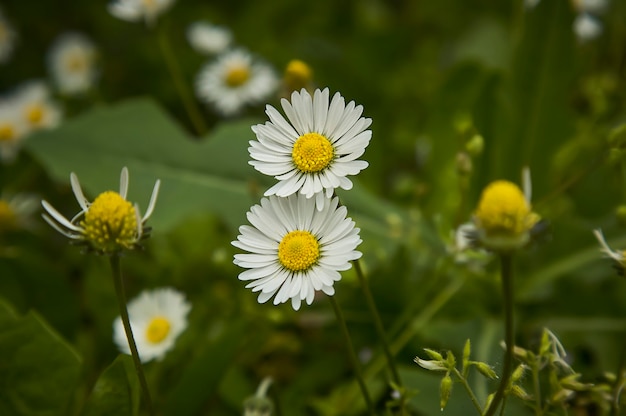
[[157, 329], [7, 132], [297, 75], [34, 114], [237, 76], [298, 251], [110, 223], [312, 152], [8, 219]]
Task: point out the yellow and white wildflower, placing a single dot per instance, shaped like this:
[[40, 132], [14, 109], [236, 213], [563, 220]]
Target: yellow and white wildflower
[[157, 318], [294, 250], [107, 225]]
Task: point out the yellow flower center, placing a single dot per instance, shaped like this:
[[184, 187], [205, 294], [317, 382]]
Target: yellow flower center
[[503, 209], [237, 76], [298, 250], [297, 75], [76, 63], [110, 223], [157, 330], [34, 114], [7, 132], [8, 218], [312, 152]]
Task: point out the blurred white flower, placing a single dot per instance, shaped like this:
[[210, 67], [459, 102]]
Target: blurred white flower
[[207, 38], [36, 106], [16, 211], [135, 10], [235, 80], [71, 61], [12, 130], [587, 27], [157, 318], [8, 38]]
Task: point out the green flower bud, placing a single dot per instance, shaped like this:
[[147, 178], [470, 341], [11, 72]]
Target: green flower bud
[[475, 145], [445, 389], [485, 370]]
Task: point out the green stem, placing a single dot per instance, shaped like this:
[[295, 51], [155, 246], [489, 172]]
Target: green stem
[[195, 116], [121, 297], [507, 294], [352, 355], [369, 299], [619, 384], [537, 387], [469, 391]]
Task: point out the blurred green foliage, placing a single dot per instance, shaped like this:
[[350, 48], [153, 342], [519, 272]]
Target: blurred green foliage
[[518, 77]]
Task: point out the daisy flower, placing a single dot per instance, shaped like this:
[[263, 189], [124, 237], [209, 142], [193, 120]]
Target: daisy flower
[[587, 27], [107, 225], [135, 10], [235, 80], [38, 109], [16, 211], [504, 219], [13, 130], [315, 148], [7, 39], [207, 38], [298, 74], [157, 318], [294, 250], [71, 61]]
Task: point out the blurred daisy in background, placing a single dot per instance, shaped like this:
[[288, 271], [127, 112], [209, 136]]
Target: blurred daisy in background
[[157, 318], [294, 250], [207, 38], [13, 130], [298, 74], [72, 63], [16, 211], [38, 109], [8, 38], [587, 24], [135, 10], [587, 27], [315, 148], [234, 80]]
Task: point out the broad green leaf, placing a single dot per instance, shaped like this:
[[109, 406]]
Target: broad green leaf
[[199, 383], [39, 371], [116, 392], [211, 176], [138, 134]]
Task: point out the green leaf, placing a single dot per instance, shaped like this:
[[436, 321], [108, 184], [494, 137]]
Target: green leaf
[[210, 176], [203, 374], [116, 392], [38, 369]]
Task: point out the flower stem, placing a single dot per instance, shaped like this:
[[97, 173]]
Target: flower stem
[[377, 322], [195, 116], [121, 297], [507, 294], [469, 391], [352, 355]]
